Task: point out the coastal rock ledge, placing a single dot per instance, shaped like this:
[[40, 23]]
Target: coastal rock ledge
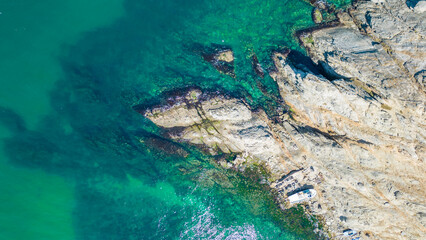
[[356, 133]]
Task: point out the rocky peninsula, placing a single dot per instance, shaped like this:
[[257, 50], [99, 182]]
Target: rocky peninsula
[[354, 131]]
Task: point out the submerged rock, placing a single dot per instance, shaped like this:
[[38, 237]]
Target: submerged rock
[[222, 60], [257, 68]]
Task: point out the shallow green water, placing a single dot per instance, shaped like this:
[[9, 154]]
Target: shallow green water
[[79, 163]]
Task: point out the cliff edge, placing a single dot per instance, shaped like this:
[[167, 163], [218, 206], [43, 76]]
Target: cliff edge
[[355, 133]]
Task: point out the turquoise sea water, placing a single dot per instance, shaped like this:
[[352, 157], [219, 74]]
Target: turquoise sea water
[[78, 163]]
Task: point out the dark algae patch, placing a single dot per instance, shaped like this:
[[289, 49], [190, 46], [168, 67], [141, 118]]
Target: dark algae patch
[[130, 181]]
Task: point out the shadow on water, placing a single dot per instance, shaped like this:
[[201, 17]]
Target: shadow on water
[[412, 3], [130, 182]]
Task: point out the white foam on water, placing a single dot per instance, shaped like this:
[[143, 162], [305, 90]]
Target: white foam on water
[[203, 226]]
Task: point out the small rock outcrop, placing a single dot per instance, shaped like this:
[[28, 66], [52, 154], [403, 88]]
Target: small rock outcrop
[[356, 133], [222, 60], [316, 15]]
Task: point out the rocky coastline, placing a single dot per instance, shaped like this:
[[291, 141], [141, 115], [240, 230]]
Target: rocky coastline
[[356, 132]]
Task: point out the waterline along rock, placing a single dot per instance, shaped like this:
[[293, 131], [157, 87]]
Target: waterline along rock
[[354, 133]]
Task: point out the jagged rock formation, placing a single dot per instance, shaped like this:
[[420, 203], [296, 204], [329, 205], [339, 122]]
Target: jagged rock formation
[[356, 133]]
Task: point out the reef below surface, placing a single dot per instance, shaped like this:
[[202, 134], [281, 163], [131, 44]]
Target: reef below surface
[[353, 129]]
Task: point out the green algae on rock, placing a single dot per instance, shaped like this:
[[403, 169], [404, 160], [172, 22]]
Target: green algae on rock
[[317, 15]]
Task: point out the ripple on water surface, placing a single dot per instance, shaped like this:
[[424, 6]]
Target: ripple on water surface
[[127, 182]]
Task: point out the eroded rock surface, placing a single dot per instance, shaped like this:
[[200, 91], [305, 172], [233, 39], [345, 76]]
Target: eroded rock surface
[[356, 134]]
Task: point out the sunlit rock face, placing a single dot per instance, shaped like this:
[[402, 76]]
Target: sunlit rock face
[[355, 133]]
